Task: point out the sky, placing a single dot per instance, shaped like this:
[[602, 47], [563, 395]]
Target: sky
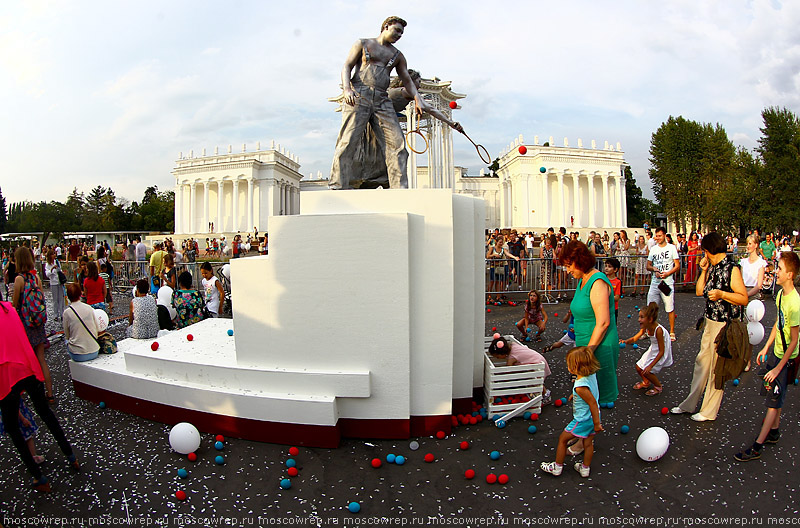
[[109, 93]]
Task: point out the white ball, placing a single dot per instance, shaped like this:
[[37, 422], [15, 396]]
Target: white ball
[[756, 332], [652, 444], [247, 247], [101, 318], [226, 270], [755, 311], [184, 438]]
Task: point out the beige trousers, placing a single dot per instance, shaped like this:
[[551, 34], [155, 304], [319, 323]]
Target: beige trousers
[[703, 377]]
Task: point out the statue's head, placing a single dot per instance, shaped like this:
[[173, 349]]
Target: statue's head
[[392, 20], [397, 82]]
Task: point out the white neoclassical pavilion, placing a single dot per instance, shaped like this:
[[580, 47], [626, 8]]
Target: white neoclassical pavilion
[[235, 191], [580, 187]]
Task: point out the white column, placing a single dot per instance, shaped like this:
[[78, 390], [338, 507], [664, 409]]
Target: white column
[[503, 204], [561, 196], [249, 204], [179, 208], [605, 200], [296, 202], [592, 214], [235, 223], [576, 189], [192, 200], [624, 203], [527, 200], [218, 223], [546, 200], [205, 207]]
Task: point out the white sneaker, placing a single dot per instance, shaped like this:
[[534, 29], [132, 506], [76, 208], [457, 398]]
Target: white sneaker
[[700, 418], [552, 468], [583, 470], [677, 410]]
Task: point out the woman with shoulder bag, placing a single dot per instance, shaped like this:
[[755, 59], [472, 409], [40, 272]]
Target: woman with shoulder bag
[[720, 282], [51, 270]]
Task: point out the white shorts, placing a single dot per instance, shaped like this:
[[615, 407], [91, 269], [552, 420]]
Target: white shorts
[[567, 340], [654, 294]]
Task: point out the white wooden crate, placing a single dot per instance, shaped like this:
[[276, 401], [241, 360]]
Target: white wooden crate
[[500, 380]]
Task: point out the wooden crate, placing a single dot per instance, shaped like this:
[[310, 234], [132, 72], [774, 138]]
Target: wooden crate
[[500, 380]]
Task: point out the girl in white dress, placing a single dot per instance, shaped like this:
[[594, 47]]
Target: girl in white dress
[[658, 356]]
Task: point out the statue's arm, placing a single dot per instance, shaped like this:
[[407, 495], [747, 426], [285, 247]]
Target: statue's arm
[[353, 56], [443, 118], [402, 71]]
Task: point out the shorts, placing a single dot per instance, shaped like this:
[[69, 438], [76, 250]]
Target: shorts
[[582, 429], [772, 399], [653, 295], [567, 340]]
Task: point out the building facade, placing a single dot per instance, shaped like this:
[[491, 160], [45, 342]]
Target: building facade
[[235, 191]]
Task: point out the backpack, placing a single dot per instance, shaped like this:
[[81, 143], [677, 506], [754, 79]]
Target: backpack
[[33, 310]]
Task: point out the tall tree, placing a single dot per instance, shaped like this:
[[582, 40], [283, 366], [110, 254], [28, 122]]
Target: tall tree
[[3, 214], [779, 147], [633, 199]]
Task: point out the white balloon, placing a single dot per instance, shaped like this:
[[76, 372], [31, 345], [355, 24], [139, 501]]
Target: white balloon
[[101, 317], [652, 444], [756, 332], [164, 298], [755, 311], [184, 438], [247, 247], [226, 270]]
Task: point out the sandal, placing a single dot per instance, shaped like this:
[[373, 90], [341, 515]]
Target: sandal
[[641, 385], [42, 485], [547, 349], [655, 391], [39, 459], [575, 449], [672, 336], [73, 462]]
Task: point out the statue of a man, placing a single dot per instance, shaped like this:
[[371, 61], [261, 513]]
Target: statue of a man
[[366, 100]]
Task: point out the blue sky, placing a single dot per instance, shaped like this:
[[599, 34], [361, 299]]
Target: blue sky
[[108, 93]]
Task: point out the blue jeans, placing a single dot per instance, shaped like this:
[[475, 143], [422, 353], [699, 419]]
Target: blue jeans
[[82, 357]]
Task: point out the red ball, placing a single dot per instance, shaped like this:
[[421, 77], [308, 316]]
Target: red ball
[[464, 445], [523, 149], [154, 346], [440, 435], [180, 495], [429, 458], [494, 329], [558, 403], [534, 416], [479, 418], [465, 420], [555, 314], [376, 463], [664, 410], [454, 421], [491, 478], [488, 310], [294, 451], [453, 105], [292, 471], [192, 457], [469, 474], [473, 420], [503, 479], [190, 337], [220, 438]]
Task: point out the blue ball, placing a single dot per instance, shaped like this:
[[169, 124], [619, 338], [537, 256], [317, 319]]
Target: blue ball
[[354, 507], [219, 460], [736, 381], [542, 170], [572, 327], [500, 424], [286, 484], [629, 316], [102, 405], [624, 429], [532, 429], [622, 345], [796, 381], [636, 307], [527, 329], [635, 346], [621, 296], [182, 473], [494, 455], [219, 446], [291, 463], [400, 460], [564, 332], [610, 405], [603, 405], [527, 339], [390, 458], [475, 413], [527, 415], [230, 331], [494, 417]]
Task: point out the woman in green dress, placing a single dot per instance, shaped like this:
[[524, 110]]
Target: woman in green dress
[[595, 323]]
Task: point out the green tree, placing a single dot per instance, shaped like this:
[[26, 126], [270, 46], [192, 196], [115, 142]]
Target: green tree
[[633, 199], [3, 214], [779, 148]]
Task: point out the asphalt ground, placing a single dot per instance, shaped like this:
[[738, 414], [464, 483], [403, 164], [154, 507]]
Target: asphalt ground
[[130, 474]]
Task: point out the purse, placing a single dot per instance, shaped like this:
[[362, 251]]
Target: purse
[[106, 341], [62, 278]]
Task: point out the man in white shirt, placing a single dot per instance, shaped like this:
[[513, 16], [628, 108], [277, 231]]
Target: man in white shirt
[[664, 263]]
